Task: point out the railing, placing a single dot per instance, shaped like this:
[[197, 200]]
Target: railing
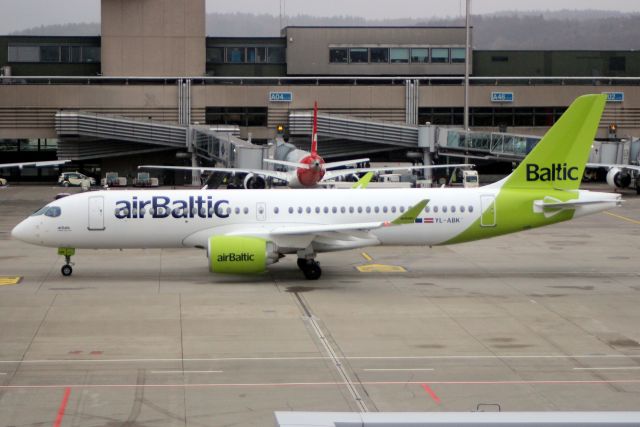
[[322, 80], [493, 144]]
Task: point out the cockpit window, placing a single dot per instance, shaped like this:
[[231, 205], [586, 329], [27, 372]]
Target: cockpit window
[[40, 211], [53, 211]]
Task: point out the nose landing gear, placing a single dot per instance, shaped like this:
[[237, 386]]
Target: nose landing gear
[[66, 269]]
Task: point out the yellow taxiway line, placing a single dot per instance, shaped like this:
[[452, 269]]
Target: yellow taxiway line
[[623, 218]]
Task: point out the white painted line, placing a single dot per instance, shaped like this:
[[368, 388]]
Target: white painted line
[[3, 373], [186, 372], [398, 369], [290, 358], [607, 368]]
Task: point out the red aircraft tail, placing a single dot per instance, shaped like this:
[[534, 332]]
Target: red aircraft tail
[[314, 135]]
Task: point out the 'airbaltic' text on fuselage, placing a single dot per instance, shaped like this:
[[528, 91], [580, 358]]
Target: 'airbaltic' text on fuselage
[[164, 207], [557, 172]]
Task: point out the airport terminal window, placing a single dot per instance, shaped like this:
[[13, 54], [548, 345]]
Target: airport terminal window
[[420, 55], [235, 55], [339, 55], [215, 55], [379, 54], [358, 55], [439, 55], [457, 54], [276, 55], [241, 116], [399, 55], [90, 54], [618, 63], [500, 58], [24, 54], [49, 53]]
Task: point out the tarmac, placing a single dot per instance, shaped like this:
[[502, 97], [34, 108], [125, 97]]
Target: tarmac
[[544, 320]]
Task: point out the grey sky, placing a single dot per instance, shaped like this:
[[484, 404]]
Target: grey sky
[[21, 14]]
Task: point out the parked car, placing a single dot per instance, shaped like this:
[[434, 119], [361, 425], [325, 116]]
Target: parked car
[[67, 179]]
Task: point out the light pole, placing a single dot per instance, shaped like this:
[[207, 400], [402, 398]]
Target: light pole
[[467, 50]]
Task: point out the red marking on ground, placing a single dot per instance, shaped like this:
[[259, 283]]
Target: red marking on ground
[[63, 406], [95, 353], [432, 393]]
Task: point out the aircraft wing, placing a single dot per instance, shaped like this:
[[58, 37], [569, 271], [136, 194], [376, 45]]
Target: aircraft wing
[[271, 174], [288, 164], [332, 165], [610, 166], [36, 164], [329, 175]]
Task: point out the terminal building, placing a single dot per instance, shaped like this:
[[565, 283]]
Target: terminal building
[[153, 83]]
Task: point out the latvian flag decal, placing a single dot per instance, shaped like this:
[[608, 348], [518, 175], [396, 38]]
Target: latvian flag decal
[[424, 220]]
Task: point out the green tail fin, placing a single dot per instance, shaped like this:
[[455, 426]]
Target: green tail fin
[[558, 160], [364, 181]]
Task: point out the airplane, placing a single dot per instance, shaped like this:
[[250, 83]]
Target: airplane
[[244, 231], [306, 170], [3, 181], [620, 176]]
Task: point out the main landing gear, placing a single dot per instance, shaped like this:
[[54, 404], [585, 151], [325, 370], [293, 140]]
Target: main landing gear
[[310, 268], [66, 269]]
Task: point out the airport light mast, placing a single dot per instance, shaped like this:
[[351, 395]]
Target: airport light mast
[[466, 67]]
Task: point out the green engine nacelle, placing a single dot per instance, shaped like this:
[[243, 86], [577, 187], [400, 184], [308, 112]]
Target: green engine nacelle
[[240, 255]]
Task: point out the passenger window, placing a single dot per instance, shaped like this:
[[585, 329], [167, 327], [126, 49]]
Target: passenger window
[[237, 211], [453, 209], [290, 210], [359, 209], [343, 209], [334, 209], [351, 210], [368, 209], [376, 209], [53, 212], [317, 209], [401, 209], [276, 210], [299, 209], [427, 209], [393, 209], [435, 209], [326, 210], [444, 209], [203, 211], [246, 210], [308, 210], [470, 208], [211, 211], [385, 209], [462, 209]]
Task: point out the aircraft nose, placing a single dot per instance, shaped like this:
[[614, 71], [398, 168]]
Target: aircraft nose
[[22, 231]]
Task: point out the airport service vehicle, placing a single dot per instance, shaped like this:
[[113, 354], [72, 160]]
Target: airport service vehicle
[[111, 179], [4, 182], [75, 179], [145, 180], [470, 179], [243, 231], [306, 170]]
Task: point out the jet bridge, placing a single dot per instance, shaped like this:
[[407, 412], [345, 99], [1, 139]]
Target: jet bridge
[[345, 136], [86, 135]]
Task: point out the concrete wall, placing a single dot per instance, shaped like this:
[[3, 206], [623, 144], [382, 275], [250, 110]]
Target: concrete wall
[[308, 49], [153, 37]]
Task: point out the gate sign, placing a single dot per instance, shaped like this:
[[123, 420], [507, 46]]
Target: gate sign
[[614, 96], [280, 96], [501, 96]]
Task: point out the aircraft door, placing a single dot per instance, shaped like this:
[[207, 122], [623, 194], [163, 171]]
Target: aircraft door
[[96, 213], [261, 211], [488, 209]]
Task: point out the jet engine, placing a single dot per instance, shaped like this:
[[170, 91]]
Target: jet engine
[[253, 181], [618, 179], [240, 255]]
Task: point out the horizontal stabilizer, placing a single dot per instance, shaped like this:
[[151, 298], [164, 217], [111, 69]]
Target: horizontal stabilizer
[[288, 164]]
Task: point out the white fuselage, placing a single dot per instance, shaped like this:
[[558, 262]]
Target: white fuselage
[[187, 218]]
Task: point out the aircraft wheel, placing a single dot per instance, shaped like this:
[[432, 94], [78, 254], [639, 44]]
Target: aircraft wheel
[[312, 271], [66, 270]]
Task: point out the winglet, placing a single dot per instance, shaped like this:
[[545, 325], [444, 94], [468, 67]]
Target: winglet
[[314, 135], [363, 182], [409, 217]]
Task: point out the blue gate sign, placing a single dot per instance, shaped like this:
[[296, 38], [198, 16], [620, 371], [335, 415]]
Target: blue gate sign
[[280, 96], [614, 96], [501, 96]]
